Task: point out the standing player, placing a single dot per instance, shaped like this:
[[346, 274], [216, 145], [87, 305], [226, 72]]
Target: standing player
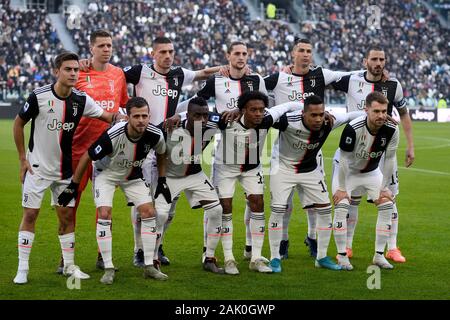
[[160, 84], [55, 111], [294, 164], [119, 154], [303, 81], [106, 84], [237, 157], [184, 173], [226, 91], [363, 143], [358, 86]]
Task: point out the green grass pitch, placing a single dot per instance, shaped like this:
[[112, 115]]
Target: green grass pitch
[[424, 237]]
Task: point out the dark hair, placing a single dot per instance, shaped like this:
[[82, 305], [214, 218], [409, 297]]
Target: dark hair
[[64, 56], [374, 47], [197, 101], [136, 102], [101, 33], [314, 99], [235, 43], [376, 96], [161, 40], [298, 40], [252, 95]]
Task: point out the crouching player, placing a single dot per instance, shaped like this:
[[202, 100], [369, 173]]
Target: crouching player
[[119, 154]]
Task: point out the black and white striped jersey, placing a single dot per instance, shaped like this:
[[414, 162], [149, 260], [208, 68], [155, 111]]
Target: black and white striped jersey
[[53, 123], [119, 156], [227, 90], [358, 87], [367, 148], [184, 152], [294, 87], [297, 146], [162, 91], [241, 146]]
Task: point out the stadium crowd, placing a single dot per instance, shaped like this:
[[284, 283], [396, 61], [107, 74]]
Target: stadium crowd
[[27, 43], [417, 47], [201, 29]]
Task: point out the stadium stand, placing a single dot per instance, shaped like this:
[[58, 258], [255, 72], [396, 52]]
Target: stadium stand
[[416, 45], [27, 43]]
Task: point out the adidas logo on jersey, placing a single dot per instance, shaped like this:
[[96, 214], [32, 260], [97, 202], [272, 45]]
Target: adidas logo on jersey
[[51, 111]]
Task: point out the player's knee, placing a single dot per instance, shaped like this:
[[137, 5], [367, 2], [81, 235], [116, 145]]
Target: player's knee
[[226, 205], [256, 202], [104, 213], [146, 211], [30, 216]]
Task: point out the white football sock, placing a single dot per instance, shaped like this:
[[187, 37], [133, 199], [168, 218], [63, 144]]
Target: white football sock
[[257, 227], [312, 223], [286, 218], [248, 232], [67, 242], [148, 234], [214, 227], [104, 241], [392, 242], [25, 243], [276, 221], [136, 222], [227, 236], [352, 220], [383, 228], [324, 226], [340, 225]]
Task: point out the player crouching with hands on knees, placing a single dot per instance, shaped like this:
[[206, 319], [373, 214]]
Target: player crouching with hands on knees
[[363, 143], [118, 155]]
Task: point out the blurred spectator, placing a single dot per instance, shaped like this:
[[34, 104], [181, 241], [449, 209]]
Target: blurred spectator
[[27, 43], [416, 46], [200, 31]]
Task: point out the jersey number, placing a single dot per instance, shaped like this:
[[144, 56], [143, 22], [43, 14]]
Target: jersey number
[[209, 184], [260, 178], [323, 186]]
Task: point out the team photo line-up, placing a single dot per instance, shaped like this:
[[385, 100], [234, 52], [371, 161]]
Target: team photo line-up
[[84, 126]]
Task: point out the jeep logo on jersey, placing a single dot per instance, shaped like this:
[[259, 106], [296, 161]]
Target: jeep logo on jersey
[[58, 125], [305, 146], [366, 155], [128, 164], [160, 91], [298, 95], [232, 104], [107, 105]]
